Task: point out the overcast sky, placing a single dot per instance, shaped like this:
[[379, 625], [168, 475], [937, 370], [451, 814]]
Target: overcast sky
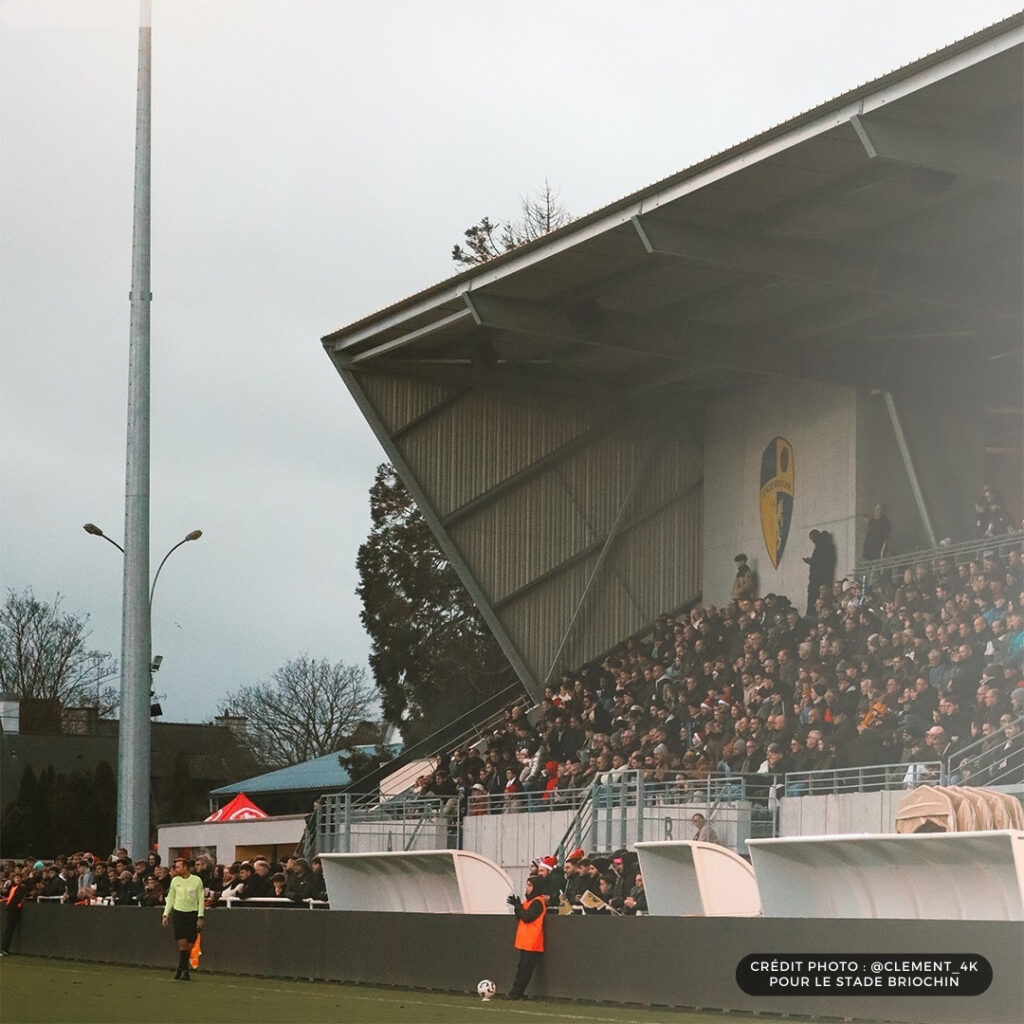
[[315, 161]]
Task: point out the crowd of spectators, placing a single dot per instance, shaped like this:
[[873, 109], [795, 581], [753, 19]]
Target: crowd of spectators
[[891, 668], [87, 880], [888, 669], [610, 885]]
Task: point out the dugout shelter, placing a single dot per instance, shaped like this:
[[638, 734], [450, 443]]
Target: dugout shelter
[[586, 422]]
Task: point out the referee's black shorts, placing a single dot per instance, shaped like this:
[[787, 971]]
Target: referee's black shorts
[[184, 924]]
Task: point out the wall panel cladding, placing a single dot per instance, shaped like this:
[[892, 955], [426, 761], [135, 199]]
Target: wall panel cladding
[[537, 621], [535, 527], [400, 402], [484, 439], [653, 567], [570, 506]]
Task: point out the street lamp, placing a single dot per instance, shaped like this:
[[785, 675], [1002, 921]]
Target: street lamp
[[95, 531], [194, 535], [133, 758]]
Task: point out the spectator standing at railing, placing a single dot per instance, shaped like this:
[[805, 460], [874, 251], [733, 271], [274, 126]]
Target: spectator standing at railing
[[249, 885], [704, 833], [577, 878], [636, 901], [152, 894], [100, 886], [299, 881], [513, 793], [876, 537], [821, 567], [54, 886], [125, 894], [477, 801], [84, 888], [18, 892], [318, 886], [991, 516]]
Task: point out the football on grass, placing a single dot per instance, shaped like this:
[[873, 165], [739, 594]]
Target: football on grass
[[486, 989]]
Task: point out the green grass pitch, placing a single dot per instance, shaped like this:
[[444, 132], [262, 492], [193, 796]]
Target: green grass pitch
[[35, 990]]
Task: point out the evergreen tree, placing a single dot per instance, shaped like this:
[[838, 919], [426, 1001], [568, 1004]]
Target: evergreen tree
[[433, 657]]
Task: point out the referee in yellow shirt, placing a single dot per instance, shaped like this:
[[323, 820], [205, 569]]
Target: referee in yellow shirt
[[184, 907]]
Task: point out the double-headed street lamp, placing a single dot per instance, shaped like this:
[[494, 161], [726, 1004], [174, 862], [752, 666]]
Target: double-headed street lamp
[[133, 732], [93, 529]]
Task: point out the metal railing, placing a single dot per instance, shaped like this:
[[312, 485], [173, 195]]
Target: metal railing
[[621, 808], [867, 779], [965, 551], [993, 760], [272, 901]]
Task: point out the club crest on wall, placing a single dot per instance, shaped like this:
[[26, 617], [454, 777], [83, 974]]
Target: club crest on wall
[[776, 496]]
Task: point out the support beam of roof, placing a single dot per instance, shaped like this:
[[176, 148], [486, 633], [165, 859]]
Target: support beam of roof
[[528, 473], [432, 413], [949, 148], [443, 537], [916, 277], [504, 376], [623, 409], [406, 339], [595, 547], [870, 175], [639, 474], [521, 316]]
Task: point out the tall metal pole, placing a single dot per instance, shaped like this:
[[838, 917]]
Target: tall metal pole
[[136, 643]]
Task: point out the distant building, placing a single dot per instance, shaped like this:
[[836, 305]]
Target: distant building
[[187, 760]]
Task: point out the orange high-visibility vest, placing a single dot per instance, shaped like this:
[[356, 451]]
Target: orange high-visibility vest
[[530, 934]]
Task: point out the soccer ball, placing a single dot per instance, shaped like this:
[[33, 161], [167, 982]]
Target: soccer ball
[[486, 989]]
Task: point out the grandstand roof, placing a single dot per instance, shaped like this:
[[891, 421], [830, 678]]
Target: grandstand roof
[[874, 241]]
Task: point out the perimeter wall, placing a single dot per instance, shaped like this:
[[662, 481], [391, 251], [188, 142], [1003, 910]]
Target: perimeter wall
[[684, 962]]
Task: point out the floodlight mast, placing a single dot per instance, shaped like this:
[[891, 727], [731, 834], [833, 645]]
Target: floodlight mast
[[133, 763]]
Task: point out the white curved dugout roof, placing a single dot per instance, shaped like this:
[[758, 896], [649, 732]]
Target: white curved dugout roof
[[955, 876], [429, 881], [690, 878], [545, 409]]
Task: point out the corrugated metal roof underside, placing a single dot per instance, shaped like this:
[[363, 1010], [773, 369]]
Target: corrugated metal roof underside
[[548, 403]]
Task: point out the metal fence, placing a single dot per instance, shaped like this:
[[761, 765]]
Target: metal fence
[[622, 808]]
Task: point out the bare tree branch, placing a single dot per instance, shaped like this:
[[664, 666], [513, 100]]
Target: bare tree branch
[[44, 655], [539, 215], [309, 708]]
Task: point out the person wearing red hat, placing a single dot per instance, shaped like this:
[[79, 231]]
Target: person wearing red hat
[[550, 879], [529, 936]]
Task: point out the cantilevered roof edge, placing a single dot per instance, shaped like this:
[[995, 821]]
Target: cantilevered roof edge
[[861, 100]]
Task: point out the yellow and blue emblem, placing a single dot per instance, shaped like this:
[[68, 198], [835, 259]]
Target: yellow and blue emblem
[[776, 496]]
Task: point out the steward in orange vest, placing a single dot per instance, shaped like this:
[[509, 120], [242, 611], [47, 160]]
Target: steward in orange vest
[[529, 936], [16, 896]]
